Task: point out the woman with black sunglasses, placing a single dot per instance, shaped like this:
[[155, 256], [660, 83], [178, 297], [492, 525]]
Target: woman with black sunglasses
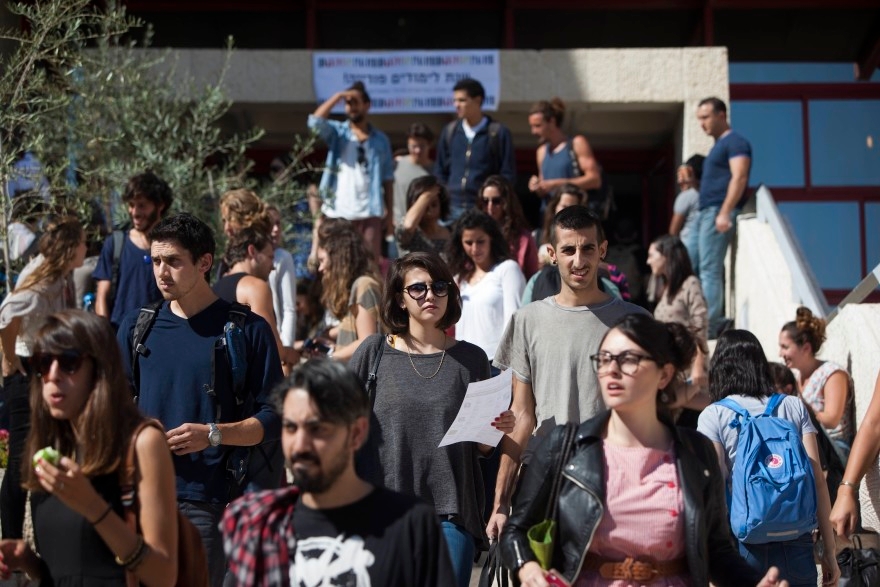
[[83, 410], [42, 288], [421, 380]]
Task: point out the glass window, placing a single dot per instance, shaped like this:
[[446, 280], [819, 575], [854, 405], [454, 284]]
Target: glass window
[[775, 130], [845, 142], [828, 234]]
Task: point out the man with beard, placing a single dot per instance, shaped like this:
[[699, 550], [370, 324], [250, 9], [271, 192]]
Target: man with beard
[[124, 273], [358, 180], [548, 344], [332, 527]]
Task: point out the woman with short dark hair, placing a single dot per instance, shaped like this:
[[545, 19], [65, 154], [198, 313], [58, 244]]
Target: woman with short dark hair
[[740, 372], [421, 379]]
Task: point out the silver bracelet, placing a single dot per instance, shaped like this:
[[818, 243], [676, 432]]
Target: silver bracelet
[[850, 483]]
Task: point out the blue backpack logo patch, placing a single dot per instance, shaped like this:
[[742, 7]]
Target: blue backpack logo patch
[[772, 486]]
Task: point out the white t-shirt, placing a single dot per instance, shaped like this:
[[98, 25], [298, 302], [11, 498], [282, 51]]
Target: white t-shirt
[[352, 199], [714, 422], [487, 306]]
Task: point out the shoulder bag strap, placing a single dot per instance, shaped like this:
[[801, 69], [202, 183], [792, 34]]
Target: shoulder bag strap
[[372, 375], [128, 480]]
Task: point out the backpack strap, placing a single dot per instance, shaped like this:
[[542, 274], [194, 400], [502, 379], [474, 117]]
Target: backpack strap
[[495, 144], [238, 316], [575, 166], [446, 142], [142, 326], [118, 237], [740, 411], [773, 403]]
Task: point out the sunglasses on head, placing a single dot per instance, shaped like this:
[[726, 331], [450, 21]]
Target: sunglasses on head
[[419, 290], [68, 361]]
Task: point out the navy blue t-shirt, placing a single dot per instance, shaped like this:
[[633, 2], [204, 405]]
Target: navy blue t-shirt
[[174, 376], [716, 168], [137, 285]]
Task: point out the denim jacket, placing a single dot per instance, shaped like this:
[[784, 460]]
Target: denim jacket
[[377, 147], [710, 550]]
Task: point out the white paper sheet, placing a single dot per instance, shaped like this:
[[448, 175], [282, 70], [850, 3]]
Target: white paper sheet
[[482, 403]]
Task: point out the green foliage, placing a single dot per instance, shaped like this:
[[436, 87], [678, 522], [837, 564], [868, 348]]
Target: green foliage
[[95, 103]]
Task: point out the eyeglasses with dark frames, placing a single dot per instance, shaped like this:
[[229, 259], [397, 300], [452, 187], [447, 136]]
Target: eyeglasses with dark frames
[[68, 361], [419, 290], [628, 362]]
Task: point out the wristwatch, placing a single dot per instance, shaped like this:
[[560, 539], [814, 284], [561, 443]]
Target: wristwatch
[[214, 435]]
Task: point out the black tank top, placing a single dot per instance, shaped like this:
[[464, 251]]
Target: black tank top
[[225, 288]]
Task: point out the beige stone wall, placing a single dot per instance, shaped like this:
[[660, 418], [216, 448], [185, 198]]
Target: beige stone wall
[[854, 342]]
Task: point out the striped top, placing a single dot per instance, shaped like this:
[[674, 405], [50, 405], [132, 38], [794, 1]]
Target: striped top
[[643, 512]]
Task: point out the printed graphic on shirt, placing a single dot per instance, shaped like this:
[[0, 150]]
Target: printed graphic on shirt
[[325, 561]]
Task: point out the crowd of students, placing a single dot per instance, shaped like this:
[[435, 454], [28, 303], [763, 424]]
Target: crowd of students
[[377, 355]]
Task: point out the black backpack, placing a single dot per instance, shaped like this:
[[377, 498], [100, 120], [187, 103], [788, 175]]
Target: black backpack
[[229, 349]]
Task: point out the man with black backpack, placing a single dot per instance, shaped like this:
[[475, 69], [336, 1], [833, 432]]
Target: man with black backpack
[[203, 367], [124, 273], [472, 148]]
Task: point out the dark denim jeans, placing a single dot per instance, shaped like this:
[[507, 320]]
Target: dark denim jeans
[[206, 518], [794, 558], [16, 390]]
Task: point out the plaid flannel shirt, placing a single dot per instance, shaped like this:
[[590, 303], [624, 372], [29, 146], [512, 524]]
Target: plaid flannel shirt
[[258, 537]]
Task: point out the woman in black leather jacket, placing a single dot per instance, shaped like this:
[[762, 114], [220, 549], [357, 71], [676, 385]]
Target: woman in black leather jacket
[[640, 500]]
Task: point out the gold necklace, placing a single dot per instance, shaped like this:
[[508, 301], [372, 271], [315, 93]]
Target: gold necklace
[[442, 356]]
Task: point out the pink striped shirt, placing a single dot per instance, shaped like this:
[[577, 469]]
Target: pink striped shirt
[[643, 513]]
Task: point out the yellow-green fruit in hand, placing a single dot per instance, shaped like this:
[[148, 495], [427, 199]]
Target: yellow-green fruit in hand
[[48, 454]]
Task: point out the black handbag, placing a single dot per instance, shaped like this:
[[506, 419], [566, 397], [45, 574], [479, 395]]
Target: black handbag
[[859, 566], [493, 572]]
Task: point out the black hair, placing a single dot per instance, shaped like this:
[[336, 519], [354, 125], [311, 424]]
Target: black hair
[[337, 392], [696, 163], [150, 186], [718, 104], [420, 185], [783, 379], [459, 263], [189, 232], [472, 87], [237, 247], [678, 264], [395, 318], [417, 130], [577, 218], [667, 343], [359, 87], [739, 366]]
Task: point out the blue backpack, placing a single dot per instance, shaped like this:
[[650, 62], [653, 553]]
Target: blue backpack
[[772, 487]]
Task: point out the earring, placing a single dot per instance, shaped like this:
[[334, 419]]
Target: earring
[[664, 397]]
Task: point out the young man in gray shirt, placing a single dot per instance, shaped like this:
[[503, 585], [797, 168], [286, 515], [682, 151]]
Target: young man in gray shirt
[[548, 344]]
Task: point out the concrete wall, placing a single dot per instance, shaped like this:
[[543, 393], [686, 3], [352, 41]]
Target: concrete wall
[[854, 342], [766, 297], [635, 80]]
